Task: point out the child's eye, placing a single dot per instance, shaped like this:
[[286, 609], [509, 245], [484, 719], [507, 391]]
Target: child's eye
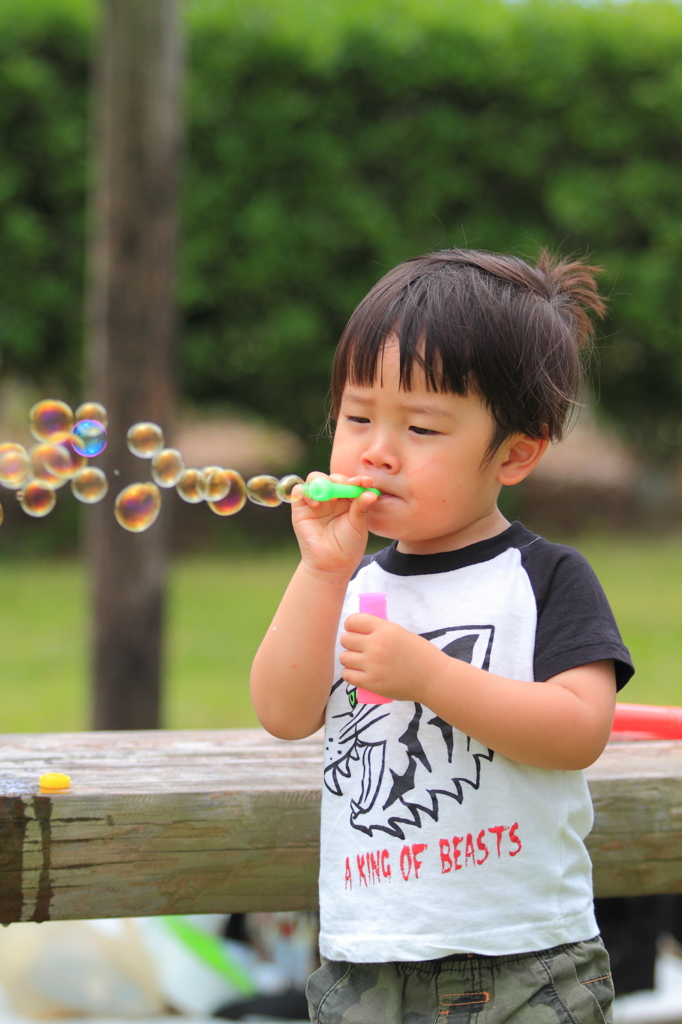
[[357, 419], [423, 430]]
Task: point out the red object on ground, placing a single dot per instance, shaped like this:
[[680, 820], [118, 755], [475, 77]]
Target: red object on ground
[[646, 722]]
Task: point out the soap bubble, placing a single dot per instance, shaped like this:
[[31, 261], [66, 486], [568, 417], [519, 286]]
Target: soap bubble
[[89, 485], [145, 440], [77, 460], [206, 472], [50, 420], [234, 500], [286, 486], [167, 467], [14, 466], [89, 438], [192, 486], [262, 490], [37, 498], [137, 507], [218, 483], [51, 464], [92, 411]]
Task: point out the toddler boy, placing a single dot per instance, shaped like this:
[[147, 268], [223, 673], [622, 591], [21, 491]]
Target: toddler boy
[[454, 880]]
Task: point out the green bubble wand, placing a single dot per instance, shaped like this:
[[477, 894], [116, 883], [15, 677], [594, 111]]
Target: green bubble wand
[[326, 490]]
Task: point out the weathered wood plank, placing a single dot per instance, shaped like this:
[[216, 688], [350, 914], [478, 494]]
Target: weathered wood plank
[[199, 822], [636, 842]]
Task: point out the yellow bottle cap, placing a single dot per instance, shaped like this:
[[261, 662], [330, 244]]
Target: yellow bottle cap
[[54, 782]]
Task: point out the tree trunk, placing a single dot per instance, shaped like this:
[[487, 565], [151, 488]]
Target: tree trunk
[[130, 328]]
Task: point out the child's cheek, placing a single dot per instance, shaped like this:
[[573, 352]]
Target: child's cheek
[[419, 467]]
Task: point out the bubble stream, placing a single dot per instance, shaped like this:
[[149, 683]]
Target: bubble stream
[[66, 443]]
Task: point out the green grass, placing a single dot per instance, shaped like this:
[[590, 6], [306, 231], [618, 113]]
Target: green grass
[[219, 608], [219, 611], [43, 646], [643, 581]]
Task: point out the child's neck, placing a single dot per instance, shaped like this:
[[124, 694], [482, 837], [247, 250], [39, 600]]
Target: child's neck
[[491, 524]]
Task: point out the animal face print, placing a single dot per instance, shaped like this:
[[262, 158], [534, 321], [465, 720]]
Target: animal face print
[[394, 758]]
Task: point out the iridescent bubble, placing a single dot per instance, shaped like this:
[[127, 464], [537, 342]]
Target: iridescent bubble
[[77, 460], [167, 467], [37, 499], [137, 507], [50, 420], [218, 483], [14, 466], [89, 485], [92, 411], [191, 486], [51, 464], [145, 440], [207, 470], [286, 486], [234, 500], [89, 438], [262, 490]]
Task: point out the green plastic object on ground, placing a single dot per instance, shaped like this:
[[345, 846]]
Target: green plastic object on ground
[[326, 490], [212, 952]]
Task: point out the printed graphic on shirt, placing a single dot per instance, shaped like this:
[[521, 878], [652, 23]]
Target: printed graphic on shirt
[[406, 760]]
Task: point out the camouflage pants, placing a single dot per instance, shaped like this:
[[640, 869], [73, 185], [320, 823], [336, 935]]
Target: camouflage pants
[[566, 985]]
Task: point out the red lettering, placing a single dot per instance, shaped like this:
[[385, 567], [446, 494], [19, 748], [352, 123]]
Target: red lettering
[[362, 878], [349, 875], [445, 858], [469, 849], [456, 852], [497, 831], [417, 848], [373, 862], [515, 839], [405, 859], [385, 866], [482, 847]]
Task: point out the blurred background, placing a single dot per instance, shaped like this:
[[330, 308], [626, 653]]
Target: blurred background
[[309, 147], [320, 145]]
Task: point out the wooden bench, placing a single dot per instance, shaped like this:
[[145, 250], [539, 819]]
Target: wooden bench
[[228, 820]]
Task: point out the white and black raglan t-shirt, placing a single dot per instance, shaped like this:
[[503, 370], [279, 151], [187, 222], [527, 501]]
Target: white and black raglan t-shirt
[[431, 843]]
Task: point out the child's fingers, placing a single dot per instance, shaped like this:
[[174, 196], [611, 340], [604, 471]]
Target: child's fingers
[[351, 659], [359, 507], [353, 677], [360, 622], [352, 641]]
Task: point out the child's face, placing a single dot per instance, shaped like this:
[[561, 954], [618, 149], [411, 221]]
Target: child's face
[[425, 451]]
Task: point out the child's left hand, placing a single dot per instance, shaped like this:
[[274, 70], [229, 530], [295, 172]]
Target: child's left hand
[[387, 659]]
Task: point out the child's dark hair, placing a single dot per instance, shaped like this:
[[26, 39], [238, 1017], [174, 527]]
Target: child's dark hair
[[480, 321]]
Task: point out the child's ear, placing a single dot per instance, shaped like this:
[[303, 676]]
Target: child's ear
[[521, 456]]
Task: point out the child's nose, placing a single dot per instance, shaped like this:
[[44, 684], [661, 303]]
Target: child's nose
[[380, 455]]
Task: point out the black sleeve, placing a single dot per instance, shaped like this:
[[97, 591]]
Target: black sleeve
[[575, 623]]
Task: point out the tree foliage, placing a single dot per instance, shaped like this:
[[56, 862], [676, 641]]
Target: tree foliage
[[327, 142]]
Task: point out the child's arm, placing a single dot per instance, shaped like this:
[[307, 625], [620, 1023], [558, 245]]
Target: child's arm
[[563, 723], [293, 670]]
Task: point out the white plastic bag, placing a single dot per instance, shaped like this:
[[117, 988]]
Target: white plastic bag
[[78, 967]]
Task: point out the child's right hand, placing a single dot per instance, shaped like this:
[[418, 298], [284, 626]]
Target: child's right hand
[[332, 535]]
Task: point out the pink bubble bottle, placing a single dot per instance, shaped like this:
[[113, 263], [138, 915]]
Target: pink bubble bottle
[[373, 604]]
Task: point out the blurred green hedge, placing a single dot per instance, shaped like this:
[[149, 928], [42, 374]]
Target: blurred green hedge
[[326, 142]]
